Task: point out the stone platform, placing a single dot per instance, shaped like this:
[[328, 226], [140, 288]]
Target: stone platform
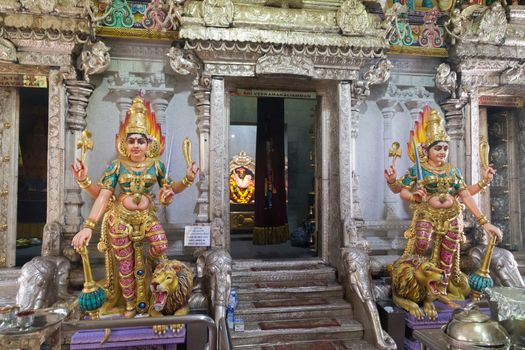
[[128, 338]]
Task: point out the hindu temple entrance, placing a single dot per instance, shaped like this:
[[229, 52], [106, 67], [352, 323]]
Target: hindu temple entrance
[[271, 184]]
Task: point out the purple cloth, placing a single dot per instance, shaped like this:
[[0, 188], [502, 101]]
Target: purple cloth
[[128, 338]]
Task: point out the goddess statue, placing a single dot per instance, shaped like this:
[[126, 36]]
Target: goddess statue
[[129, 216], [438, 194]]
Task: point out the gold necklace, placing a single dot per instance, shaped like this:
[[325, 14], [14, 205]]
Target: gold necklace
[[436, 169]]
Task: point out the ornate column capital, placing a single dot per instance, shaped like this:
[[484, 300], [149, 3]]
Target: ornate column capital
[[78, 93], [414, 107], [389, 107]]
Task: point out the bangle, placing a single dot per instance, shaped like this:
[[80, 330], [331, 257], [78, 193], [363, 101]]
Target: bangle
[[84, 183], [482, 220], [186, 182], [482, 184], [390, 185], [90, 223]]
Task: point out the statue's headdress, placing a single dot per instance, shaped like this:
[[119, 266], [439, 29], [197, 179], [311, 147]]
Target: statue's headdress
[[140, 119], [429, 128]]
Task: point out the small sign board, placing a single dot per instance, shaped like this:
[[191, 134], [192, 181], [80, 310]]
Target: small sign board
[[197, 236]]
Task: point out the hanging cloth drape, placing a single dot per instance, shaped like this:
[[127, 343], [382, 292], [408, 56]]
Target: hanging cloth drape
[[271, 222]]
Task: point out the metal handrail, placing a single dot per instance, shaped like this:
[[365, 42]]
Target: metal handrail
[[72, 326], [225, 340]]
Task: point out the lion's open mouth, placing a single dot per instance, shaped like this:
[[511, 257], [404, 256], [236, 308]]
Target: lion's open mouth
[[434, 289], [160, 299]]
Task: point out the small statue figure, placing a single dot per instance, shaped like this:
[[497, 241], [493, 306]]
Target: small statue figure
[[129, 217], [435, 188], [94, 59], [446, 79], [456, 26]]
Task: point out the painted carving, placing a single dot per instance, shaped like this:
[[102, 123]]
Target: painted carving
[[285, 64], [185, 62], [352, 18], [217, 271], [513, 73], [431, 35], [217, 13], [42, 282], [7, 50], [446, 79], [39, 6], [378, 73], [358, 285], [493, 25], [163, 14], [94, 59], [456, 25]]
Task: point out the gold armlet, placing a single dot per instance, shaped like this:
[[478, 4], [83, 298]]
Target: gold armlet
[[90, 223], [482, 184], [84, 183], [392, 185], [186, 182], [482, 220]]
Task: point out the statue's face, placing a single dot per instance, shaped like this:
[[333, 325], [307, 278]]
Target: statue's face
[[438, 153], [136, 146]]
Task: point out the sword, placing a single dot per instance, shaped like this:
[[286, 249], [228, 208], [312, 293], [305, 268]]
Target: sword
[[419, 170]]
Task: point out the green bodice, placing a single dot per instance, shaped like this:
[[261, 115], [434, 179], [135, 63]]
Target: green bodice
[[447, 179]]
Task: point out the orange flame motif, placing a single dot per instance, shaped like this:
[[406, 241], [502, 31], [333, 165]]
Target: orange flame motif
[[154, 131], [418, 132]]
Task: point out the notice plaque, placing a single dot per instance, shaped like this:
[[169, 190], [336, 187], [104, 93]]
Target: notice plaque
[[197, 236]]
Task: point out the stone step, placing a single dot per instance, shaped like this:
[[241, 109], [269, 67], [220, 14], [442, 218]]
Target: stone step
[[281, 265], [328, 291], [288, 309], [312, 345], [258, 274], [280, 331]]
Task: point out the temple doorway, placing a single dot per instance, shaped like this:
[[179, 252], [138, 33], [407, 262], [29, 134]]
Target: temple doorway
[[272, 166], [32, 173]]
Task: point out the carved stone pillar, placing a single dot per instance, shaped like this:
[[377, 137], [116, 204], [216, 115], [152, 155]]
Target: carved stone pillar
[[218, 168], [123, 103], [472, 168], [388, 109], [455, 126], [345, 157], [201, 92], [415, 107], [357, 103], [55, 155], [78, 92]]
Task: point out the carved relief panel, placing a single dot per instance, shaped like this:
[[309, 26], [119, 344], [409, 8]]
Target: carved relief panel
[[8, 174]]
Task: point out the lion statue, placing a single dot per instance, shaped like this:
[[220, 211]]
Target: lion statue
[[171, 285], [416, 280]]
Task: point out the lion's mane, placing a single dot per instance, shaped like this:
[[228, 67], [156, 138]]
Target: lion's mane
[[178, 295], [404, 282]]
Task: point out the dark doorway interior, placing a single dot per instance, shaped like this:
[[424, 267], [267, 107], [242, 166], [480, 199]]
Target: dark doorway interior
[[32, 173], [299, 145]]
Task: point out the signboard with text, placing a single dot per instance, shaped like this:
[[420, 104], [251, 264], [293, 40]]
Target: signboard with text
[[197, 236]]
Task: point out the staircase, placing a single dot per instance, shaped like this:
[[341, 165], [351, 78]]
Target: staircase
[[293, 305]]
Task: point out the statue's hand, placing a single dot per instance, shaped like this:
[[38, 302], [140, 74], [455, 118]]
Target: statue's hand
[[493, 230], [82, 237], [420, 195], [166, 194], [390, 174], [192, 171], [488, 174], [79, 170]]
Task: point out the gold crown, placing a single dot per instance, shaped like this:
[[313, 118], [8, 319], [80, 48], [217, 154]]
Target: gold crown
[[435, 130], [137, 117]]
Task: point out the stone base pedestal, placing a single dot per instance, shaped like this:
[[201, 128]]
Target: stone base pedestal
[[127, 339]]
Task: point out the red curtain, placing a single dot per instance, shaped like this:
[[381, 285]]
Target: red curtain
[[271, 222]]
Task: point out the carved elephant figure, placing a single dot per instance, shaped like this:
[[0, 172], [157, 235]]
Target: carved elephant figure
[[218, 270], [42, 282]]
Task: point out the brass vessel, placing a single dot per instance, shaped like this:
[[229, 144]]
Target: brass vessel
[[470, 329]]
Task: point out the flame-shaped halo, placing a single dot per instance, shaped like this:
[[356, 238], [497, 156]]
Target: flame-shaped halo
[[155, 137], [418, 133]]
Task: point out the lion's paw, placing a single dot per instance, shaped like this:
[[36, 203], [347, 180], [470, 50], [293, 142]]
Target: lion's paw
[[416, 312], [430, 310], [176, 327], [160, 329]]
